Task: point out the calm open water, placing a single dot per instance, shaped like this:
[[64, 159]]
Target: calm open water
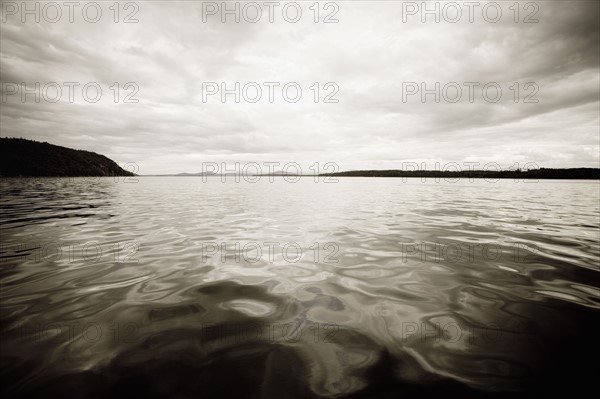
[[368, 287]]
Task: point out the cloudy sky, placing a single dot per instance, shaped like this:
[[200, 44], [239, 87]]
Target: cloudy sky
[[372, 60]]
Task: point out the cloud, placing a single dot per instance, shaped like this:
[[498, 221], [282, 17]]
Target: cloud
[[370, 54]]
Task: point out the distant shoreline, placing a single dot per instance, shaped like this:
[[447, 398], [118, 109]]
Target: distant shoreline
[[312, 176], [28, 158], [534, 174], [593, 175]]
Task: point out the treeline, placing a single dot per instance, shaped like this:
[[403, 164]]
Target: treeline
[[29, 158], [542, 173]]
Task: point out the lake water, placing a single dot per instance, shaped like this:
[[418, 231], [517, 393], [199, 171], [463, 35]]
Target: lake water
[[368, 287]]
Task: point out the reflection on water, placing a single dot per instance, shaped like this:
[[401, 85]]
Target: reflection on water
[[362, 288]]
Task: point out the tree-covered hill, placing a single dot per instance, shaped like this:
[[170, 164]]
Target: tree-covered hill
[[21, 157]]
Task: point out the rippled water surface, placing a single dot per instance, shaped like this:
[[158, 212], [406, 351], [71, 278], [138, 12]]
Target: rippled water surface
[[367, 287]]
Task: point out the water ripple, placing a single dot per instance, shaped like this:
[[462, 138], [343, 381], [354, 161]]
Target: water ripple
[[418, 289]]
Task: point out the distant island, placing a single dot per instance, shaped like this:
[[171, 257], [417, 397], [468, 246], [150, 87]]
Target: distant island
[[542, 173], [29, 158]]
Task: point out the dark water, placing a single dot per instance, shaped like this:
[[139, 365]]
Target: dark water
[[363, 288]]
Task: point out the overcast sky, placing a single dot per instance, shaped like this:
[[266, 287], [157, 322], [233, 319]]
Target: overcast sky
[[371, 54]]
